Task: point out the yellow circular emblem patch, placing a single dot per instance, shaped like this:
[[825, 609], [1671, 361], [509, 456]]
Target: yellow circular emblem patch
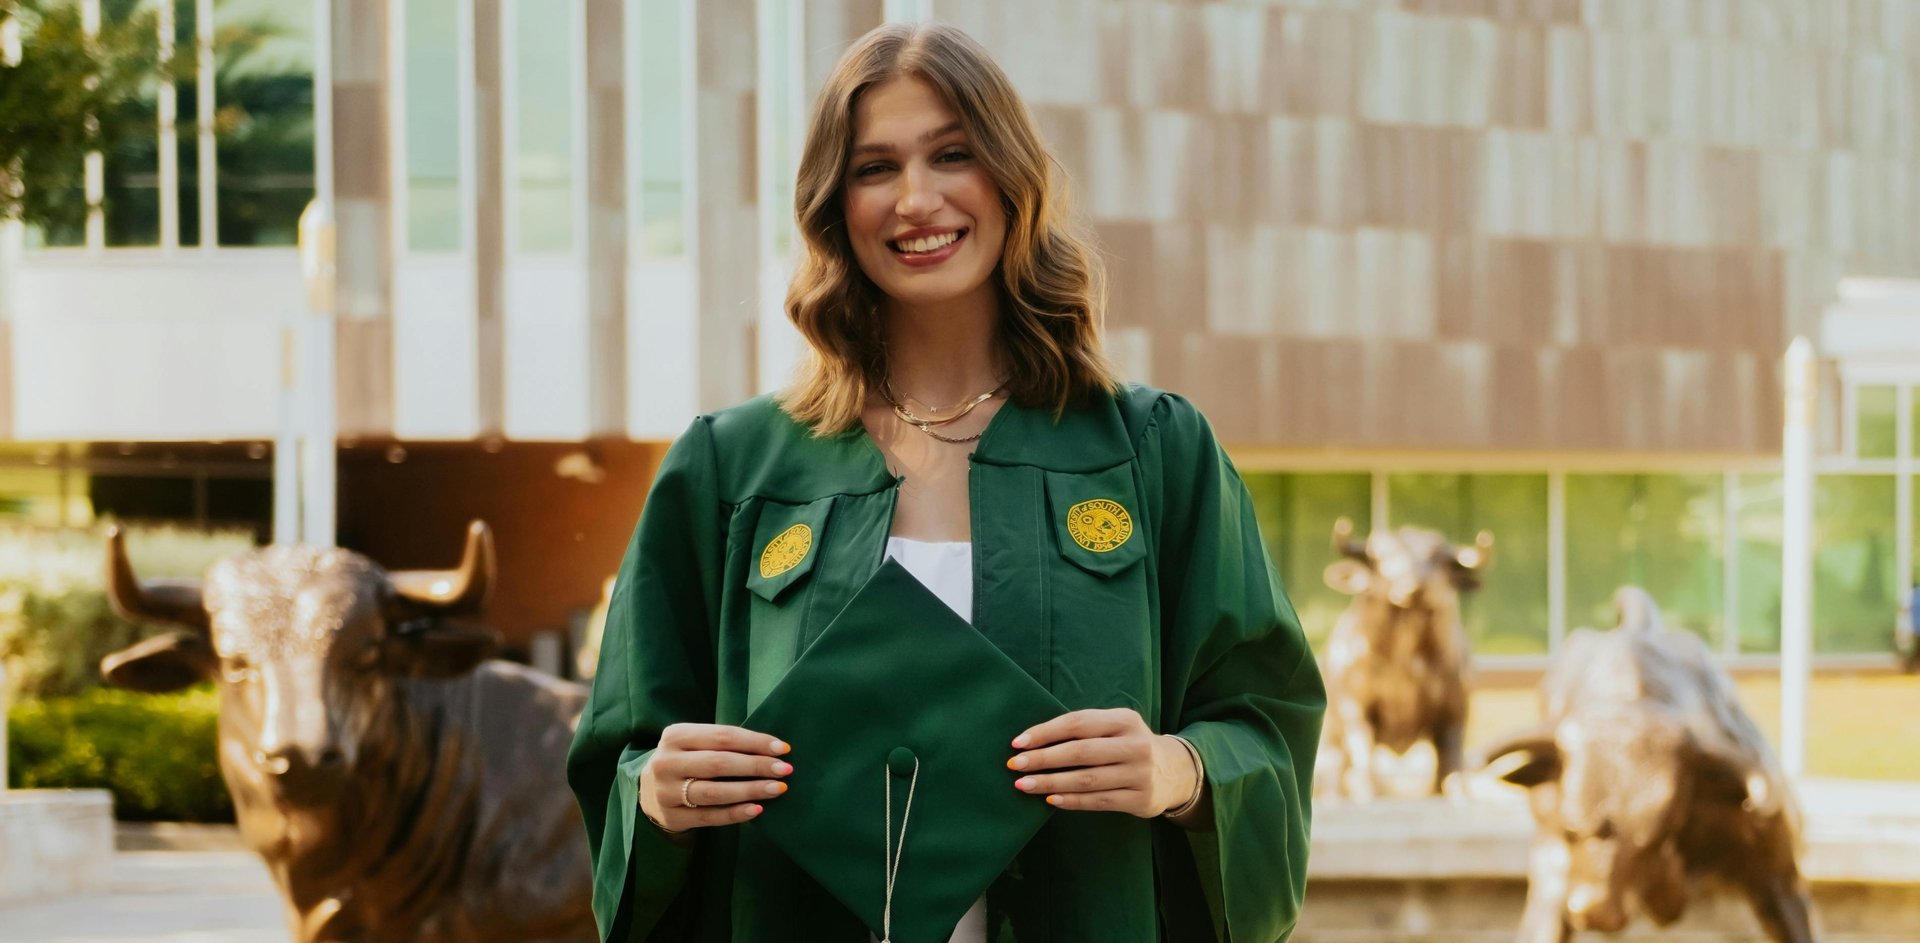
[[785, 552], [1099, 525]]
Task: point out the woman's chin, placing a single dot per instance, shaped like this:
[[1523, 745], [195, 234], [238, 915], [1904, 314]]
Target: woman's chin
[[932, 291]]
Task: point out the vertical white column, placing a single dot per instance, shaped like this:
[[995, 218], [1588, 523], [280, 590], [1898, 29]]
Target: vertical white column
[[781, 87], [96, 165], [1796, 555], [3, 729], [169, 115], [13, 234], [286, 440], [318, 451], [206, 155]]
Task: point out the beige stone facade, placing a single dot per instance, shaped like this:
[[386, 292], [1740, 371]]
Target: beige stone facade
[[1542, 225]]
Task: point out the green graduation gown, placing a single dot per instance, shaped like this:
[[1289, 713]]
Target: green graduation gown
[[1183, 620]]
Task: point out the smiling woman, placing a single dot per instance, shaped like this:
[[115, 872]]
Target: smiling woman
[[958, 638]]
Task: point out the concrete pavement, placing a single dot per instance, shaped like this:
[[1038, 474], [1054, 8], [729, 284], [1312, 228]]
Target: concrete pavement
[[160, 897]]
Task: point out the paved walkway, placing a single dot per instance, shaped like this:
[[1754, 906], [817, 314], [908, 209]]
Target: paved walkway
[[161, 897]]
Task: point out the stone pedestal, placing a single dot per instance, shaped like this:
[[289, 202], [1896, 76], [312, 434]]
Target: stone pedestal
[[1429, 871], [54, 842]]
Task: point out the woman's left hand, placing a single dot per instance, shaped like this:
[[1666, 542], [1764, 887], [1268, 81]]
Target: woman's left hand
[[1123, 765]]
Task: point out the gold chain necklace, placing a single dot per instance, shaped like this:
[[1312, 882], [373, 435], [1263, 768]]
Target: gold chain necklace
[[926, 425]]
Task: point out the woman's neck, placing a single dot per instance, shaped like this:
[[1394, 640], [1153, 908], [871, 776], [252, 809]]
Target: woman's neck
[[945, 354]]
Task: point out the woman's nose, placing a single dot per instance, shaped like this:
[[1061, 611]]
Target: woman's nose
[[918, 196]]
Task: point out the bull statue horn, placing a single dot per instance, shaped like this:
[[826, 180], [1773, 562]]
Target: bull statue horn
[[458, 591], [1343, 542], [175, 601], [1476, 556]]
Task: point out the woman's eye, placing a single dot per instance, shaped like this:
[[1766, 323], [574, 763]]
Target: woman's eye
[[869, 170], [951, 156]]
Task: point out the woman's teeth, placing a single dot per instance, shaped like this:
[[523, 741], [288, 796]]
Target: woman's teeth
[[927, 243]]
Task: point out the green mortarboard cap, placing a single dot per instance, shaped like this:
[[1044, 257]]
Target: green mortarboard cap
[[899, 680]]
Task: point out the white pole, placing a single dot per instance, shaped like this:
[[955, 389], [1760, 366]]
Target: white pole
[[286, 441], [3, 728], [1796, 551], [314, 392], [318, 472]]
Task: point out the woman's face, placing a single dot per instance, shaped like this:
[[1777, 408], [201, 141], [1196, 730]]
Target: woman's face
[[924, 218]]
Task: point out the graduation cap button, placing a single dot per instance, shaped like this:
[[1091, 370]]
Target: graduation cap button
[[901, 761]]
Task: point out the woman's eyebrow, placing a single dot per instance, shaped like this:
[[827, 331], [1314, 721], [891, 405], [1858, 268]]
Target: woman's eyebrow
[[927, 138]]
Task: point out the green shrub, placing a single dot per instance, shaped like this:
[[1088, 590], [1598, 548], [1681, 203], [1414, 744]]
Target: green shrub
[[154, 752], [55, 622]]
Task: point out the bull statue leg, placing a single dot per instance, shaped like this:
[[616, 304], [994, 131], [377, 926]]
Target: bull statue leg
[[1449, 760], [1783, 908], [1545, 918], [1357, 744]]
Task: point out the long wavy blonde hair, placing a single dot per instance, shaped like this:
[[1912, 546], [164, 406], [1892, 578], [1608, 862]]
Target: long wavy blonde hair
[[1051, 282]]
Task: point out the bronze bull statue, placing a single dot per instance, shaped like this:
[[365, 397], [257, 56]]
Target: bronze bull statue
[[1645, 777], [1397, 659], [399, 783]]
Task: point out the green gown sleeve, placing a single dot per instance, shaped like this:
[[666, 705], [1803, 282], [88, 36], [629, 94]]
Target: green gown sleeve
[[1242, 683], [656, 668]]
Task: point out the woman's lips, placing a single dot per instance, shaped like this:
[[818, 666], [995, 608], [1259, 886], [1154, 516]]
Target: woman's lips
[[934, 257]]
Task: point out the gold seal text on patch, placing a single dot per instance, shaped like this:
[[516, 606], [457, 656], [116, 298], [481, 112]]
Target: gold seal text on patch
[[785, 552], [1099, 525]]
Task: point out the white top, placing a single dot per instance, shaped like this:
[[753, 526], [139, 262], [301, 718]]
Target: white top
[[946, 567]]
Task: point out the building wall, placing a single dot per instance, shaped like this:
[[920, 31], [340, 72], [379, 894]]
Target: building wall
[[1485, 225], [1420, 224]]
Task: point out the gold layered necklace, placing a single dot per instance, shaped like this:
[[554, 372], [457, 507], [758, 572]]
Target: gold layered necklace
[[926, 425]]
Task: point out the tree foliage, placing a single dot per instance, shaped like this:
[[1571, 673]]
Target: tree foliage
[[68, 95]]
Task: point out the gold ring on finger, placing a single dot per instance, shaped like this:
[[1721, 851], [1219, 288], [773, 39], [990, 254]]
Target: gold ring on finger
[[686, 798]]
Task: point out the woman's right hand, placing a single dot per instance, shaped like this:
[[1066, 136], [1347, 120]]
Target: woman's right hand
[[708, 754]]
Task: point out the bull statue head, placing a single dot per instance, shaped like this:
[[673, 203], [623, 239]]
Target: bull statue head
[[307, 645], [1645, 773], [1620, 785], [1407, 566]]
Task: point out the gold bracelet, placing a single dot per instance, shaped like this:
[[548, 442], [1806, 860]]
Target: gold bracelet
[[656, 823], [1199, 780]]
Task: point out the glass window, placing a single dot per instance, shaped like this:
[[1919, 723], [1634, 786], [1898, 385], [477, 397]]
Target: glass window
[[186, 111], [1874, 423], [130, 181], [63, 217], [433, 124], [1855, 596], [662, 113], [543, 87], [1913, 420], [1508, 614], [1662, 533], [778, 163], [1296, 513], [1757, 505], [263, 120]]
